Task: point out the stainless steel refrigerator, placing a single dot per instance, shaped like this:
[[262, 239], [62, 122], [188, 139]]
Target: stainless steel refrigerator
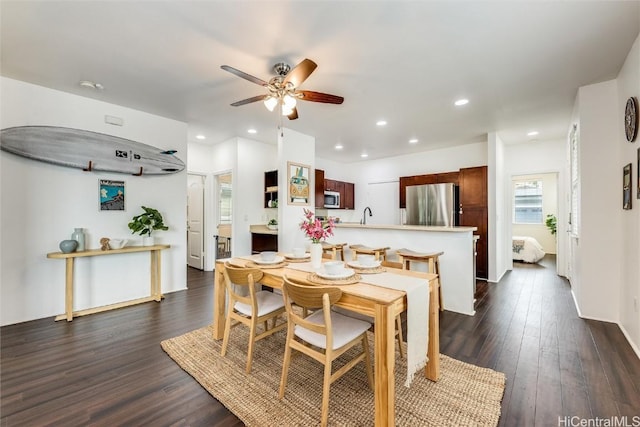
[[432, 204]]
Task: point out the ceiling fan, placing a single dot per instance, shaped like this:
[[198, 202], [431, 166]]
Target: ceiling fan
[[283, 88]]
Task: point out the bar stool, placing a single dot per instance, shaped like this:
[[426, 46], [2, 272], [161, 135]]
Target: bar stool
[[432, 259], [334, 249], [379, 252]]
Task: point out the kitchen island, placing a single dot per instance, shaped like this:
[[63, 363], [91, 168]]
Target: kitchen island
[[456, 264]]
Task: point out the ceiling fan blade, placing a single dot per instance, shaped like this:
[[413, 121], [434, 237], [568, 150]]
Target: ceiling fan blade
[[308, 95], [244, 75], [300, 72], [294, 114], [250, 100]]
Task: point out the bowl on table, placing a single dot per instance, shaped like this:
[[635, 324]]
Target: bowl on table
[[267, 256], [117, 243], [298, 252], [333, 267], [367, 260]]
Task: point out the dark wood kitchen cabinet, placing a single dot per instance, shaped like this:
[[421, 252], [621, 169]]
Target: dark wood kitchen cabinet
[[347, 200], [319, 184], [474, 212], [346, 190]]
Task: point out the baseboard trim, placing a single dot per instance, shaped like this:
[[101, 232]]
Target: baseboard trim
[[629, 340]]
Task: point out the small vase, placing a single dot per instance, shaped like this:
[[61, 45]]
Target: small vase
[[78, 236], [148, 240], [316, 255]]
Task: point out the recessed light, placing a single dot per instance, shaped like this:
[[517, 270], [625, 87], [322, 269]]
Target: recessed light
[[381, 123], [364, 155], [201, 137], [532, 133], [338, 147], [413, 141], [460, 102], [252, 131]]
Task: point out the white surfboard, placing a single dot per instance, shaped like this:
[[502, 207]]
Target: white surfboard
[[90, 151]]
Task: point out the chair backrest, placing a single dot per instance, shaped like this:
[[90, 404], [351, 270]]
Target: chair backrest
[[392, 264], [243, 277], [309, 296]]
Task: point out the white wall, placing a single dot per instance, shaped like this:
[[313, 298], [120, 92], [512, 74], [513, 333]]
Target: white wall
[[540, 232], [43, 203], [599, 245], [497, 233], [628, 83]]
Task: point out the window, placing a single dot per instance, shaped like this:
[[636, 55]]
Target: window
[[225, 203], [574, 217], [527, 202]]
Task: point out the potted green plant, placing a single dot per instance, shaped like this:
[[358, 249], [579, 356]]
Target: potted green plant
[[551, 222], [146, 223], [272, 224]]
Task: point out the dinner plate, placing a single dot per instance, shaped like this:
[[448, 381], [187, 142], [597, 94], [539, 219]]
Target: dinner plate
[[292, 256], [347, 272], [357, 264], [276, 260]]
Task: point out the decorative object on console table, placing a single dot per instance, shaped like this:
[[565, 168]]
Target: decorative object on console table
[[78, 236], [145, 223], [316, 230]]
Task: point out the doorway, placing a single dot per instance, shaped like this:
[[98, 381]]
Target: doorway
[[195, 221], [224, 215]]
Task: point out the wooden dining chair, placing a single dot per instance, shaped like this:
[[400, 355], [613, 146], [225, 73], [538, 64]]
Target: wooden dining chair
[[324, 335], [356, 315], [250, 307]]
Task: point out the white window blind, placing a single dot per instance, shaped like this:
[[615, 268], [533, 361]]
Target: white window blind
[[527, 202]]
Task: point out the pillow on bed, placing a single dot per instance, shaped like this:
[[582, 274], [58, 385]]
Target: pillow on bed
[[527, 249]]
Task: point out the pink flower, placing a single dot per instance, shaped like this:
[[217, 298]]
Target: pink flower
[[315, 229]]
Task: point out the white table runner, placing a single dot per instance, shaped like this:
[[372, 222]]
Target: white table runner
[[417, 312]]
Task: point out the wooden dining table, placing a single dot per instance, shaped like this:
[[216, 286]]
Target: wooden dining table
[[383, 304]]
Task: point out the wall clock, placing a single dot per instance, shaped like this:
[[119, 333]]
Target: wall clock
[[631, 119]]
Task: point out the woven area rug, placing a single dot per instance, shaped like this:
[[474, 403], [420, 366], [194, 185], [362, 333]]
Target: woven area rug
[[466, 395]]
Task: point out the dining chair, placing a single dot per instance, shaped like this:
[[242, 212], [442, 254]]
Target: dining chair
[[250, 307], [324, 335], [360, 316]]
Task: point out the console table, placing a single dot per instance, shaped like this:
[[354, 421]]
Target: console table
[[155, 292]]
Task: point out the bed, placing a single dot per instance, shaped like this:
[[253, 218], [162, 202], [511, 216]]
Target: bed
[[527, 249]]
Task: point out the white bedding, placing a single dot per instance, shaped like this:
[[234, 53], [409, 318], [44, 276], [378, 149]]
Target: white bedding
[[527, 249]]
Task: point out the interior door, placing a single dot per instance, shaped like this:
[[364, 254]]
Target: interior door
[[195, 221]]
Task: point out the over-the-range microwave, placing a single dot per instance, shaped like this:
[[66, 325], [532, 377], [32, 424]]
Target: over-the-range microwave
[[331, 200]]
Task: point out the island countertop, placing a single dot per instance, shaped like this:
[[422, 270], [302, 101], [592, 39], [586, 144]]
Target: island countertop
[[262, 229], [457, 229]]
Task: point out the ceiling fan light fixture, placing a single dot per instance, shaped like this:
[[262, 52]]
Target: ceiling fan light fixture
[[270, 103], [286, 110], [289, 101]]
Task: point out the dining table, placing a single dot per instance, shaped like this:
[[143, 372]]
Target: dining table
[[381, 303]]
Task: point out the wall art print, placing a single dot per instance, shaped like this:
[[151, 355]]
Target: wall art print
[[298, 190], [626, 187], [112, 195]]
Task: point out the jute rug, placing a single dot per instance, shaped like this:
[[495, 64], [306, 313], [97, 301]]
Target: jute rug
[[466, 395]]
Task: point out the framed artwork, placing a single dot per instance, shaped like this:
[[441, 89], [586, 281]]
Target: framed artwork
[[111, 195], [298, 190], [626, 187]]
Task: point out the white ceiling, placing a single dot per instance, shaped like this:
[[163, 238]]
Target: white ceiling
[[519, 63]]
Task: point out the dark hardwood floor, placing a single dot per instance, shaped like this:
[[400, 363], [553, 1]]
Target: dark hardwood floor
[[109, 369]]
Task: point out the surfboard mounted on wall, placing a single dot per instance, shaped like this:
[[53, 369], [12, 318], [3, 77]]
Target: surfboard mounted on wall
[[89, 151]]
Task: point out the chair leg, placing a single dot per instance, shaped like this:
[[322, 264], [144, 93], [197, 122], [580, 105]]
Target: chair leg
[[326, 382], [252, 341], [367, 361], [227, 330], [400, 337], [285, 365]]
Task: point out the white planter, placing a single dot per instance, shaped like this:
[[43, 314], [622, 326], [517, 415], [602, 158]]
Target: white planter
[[148, 241]]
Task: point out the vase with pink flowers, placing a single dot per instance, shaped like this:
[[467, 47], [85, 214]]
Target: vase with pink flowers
[[317, 231]]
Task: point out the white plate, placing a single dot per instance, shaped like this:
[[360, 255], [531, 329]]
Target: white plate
[[292, 256], [277, 259], [347, 272], [357, 264]]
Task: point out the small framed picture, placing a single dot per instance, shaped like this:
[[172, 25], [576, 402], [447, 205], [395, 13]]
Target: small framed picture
[[298, 190], [626, 187], [112, 195]]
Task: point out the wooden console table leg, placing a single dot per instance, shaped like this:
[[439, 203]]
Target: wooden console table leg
[[156, 266], [68, 291]]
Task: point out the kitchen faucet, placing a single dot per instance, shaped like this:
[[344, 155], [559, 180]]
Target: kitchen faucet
[[364, 215]]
